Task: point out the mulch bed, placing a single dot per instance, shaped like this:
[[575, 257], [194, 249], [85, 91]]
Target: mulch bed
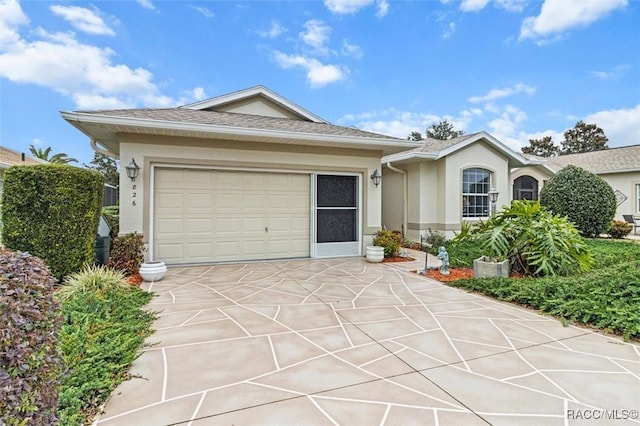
[[397, 259], [134, 280], [454, 274]]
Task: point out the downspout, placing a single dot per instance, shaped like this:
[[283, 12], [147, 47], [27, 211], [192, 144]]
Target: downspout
[[405, 194], [94, 145]]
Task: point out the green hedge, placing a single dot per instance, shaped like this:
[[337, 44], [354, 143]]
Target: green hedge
[[52, 211]]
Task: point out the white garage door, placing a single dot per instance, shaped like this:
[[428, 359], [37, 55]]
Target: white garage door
[[205, 215]]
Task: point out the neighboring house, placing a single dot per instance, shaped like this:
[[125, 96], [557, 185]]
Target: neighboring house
[[10, 157], [248, 175], [444, 183], [619, 167]]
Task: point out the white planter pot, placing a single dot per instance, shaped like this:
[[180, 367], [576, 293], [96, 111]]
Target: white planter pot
[[153, 271], [374, 254]]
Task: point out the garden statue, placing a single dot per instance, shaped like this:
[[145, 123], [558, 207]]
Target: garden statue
[[444, 257]]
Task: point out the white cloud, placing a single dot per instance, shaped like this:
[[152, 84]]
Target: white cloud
[[147, 4], [197, 94], [274, 30], [382, 9], [11, 19], [83, 19], [611, 74], [559, 16], [352, 50], [318, 74], [346, 7], [449, 30], [83, 72], [316, 35], [622, 126], [400, 124], [473, 5], [203, 11], [512, 5], [502, 93]]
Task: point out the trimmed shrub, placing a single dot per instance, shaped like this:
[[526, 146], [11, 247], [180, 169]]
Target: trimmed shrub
[[127, 253], [390, 240], [30, 362], [433, 240], [585, 198], [52, 212], [102, 335], [619, 229]]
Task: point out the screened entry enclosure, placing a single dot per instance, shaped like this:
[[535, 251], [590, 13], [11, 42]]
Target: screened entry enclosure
[[336, 215]]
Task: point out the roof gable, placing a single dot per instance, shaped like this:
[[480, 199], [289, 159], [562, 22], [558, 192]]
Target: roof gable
[[257, 100], [434, 149]]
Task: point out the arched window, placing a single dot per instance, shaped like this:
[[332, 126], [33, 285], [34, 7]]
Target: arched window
[[525, 188], [476, 184]]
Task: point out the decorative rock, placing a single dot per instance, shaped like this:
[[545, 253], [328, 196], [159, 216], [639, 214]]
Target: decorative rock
[[153, 271], [374, 254]]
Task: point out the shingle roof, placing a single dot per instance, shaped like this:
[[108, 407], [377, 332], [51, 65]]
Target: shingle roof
[[9, 157], [248, 121], [436, 145], [613, 160]]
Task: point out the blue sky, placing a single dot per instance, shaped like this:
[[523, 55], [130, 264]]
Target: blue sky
[[518, 69]]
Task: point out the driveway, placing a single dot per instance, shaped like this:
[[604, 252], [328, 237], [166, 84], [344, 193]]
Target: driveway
[[346, 342]]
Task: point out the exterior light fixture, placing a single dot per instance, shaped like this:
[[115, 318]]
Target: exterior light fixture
[[493, 197], [376, 177], [132, 170]]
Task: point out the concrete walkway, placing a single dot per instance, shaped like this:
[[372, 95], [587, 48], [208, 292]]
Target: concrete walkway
[[343, 341]]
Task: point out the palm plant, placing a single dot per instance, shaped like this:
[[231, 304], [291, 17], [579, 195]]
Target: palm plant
[[60, 158], [535, 241]]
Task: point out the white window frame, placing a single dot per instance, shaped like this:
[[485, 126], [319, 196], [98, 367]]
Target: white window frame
[[485, 195]]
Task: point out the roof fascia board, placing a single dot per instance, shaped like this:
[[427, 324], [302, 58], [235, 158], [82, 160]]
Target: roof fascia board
[[253, 91], [75, 117], [408, 155]]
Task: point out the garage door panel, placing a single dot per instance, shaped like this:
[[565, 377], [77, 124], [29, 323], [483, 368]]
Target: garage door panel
[[214, 215]]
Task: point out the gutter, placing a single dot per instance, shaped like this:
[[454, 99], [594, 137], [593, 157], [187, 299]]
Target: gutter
[[405, 189], [94, 144]]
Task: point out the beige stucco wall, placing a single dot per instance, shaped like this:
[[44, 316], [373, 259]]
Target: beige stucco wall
[[258, 106], [393, 193], [435, 189], [149, 150], [625, 183]]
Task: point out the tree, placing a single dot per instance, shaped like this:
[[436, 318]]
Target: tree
[[583, 138], [107, 166], [60, 158], [541, 147], [415, 136], [443, 131], [585, 198]]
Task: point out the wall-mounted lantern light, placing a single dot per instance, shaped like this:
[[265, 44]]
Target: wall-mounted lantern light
[[132, 170], [376, 177], [493, 197]]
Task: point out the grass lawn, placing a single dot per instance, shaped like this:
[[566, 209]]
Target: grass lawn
[[606, 298]]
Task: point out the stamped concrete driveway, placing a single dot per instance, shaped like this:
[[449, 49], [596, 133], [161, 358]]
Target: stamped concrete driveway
[[346, 342]]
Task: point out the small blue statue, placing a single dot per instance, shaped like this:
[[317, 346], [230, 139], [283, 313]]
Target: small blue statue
[[444, 257]]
